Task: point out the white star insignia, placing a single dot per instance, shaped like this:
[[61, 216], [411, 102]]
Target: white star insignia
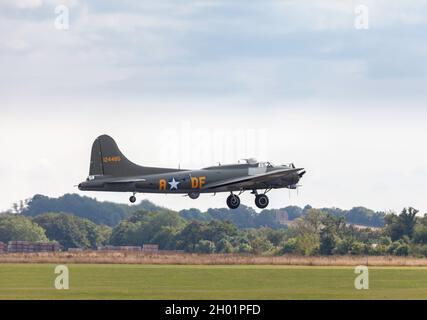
[[174, 184]]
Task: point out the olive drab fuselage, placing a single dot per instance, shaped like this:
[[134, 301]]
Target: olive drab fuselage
[[183, 182], [111, 171]]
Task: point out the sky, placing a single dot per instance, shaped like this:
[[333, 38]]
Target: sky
[[192, 83]]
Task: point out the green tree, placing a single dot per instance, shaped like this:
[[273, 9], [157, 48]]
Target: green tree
[[190, 236], [217, 230], [393, 246], [245, 248], [327, 242], [308, 244], [420, 234], [205, 246], [103, 213], [364, 216], [261, 245], [408, 220], [19, 228], [309, 224], [357, 248], [401, 225], [333, 228], [290, 246], [402, 250], [305, 231], [124, 234], [343, 246], [224, 246], [385, 241], [275, 236], [145, 227], [71, 231], [423, 250]]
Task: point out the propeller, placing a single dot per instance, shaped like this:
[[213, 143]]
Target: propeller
[[301, 174], [298, 186], [294, 187]]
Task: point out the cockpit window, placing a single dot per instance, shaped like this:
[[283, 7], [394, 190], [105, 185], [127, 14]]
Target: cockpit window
[[265, 165]]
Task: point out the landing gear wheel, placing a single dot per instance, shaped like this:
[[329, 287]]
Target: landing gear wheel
[[233, 201], [261, 201], [194, 195], [132, 199]]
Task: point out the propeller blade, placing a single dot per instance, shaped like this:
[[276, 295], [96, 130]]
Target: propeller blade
[[301, 174]]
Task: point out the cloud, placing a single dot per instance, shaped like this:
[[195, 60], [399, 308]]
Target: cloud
[[22, 4], [273, 49]]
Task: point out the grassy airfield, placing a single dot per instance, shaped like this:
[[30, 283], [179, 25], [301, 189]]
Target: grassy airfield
[[36, 281]]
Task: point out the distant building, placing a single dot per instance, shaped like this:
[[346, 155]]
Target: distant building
[[144, 248], [26, 246], [282, 217], [106, 248], [3, 247], [150, 247], [129, 248], [119, 248]]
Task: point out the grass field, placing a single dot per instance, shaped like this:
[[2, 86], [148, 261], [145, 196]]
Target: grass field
[[106, 281]]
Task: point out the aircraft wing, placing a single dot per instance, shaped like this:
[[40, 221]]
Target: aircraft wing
[[249, 180]]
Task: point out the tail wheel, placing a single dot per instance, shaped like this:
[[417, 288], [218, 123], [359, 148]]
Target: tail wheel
[[132, 199], [233, 201], [261, 201]]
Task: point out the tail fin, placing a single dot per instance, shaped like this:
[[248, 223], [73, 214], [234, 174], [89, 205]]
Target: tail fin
[[107, 159]]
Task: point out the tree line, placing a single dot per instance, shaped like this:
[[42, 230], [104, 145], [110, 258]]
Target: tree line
[[111, 214], [314, 232]]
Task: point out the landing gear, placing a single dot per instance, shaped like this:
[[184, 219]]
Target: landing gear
[[233, 201], [132, 199], [194, 195], [261, 201]]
